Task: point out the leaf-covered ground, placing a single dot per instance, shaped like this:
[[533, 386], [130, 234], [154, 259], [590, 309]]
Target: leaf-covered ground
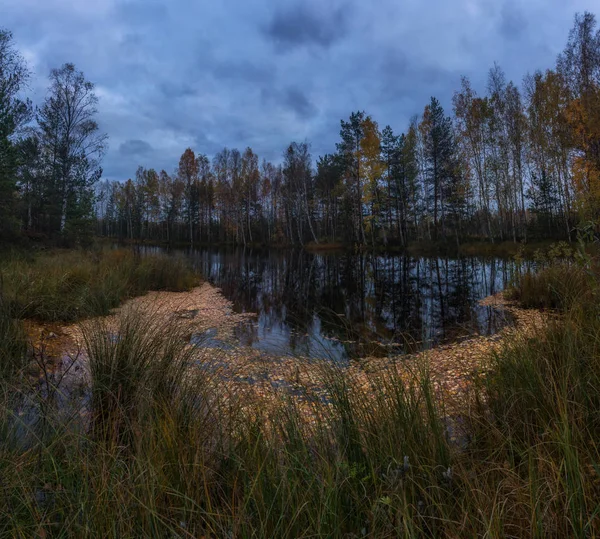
[[252, 375]]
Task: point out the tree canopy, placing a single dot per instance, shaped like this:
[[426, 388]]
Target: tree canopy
[[513, 162]]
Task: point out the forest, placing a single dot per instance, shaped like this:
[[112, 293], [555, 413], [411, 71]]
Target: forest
[[518, 162], [163, 375]]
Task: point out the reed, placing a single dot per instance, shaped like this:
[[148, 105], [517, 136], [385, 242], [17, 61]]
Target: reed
[[170, 452]]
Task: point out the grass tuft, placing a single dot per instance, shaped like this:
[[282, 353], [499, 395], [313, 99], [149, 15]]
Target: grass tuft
[[170, 452]]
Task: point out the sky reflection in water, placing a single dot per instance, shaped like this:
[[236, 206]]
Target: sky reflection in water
[[343, 305]]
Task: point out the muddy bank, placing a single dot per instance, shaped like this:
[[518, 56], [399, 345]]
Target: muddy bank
[[59, 349], [203, 308]]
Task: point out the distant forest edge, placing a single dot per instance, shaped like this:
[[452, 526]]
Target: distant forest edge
[[517, 163]]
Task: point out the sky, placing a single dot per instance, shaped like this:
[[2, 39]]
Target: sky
[[172, 74]]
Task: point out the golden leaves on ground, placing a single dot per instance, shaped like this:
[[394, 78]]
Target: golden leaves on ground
[[254, 377]]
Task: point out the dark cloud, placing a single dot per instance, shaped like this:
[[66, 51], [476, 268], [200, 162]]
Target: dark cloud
[[411, 81], [289, 98], [297, 100], [300, 24], [172, 74], [139, 148], [512, 22]]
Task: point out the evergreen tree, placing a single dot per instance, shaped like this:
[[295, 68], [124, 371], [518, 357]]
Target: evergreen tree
[[349, 148], [438, 138], [14, 113]]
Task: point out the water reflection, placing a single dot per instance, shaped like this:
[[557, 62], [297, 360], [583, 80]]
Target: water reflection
[[342, 305]]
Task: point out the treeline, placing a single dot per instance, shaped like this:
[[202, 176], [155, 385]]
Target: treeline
[[49, 156], [515, 163]]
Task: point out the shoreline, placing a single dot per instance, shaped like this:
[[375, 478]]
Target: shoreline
[[425, 248], [452, 366], [208, 315]]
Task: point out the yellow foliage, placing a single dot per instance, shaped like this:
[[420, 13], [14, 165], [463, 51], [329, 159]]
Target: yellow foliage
[[586, 178], [371, 164], [583, 115]]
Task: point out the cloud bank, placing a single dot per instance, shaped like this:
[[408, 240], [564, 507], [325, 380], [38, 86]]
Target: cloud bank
[[174, 73]]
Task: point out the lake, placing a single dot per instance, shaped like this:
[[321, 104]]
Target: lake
[[342, 305]]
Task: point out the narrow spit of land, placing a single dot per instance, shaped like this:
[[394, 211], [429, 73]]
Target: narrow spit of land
[[211, 321]]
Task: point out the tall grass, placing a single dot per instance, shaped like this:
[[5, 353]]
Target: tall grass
[[13, 340], [171, 452], [70, 285], [134, 363], [558, 286], [542, 405]]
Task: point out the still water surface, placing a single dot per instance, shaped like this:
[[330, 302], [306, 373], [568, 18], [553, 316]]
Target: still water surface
[[342, 305]]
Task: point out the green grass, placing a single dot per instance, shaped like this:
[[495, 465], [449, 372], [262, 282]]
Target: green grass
[[168, 453], [132, 364], [542, 407], [13, 341], [71, 285]]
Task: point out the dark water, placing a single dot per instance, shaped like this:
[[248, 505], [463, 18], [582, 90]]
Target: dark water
[[344, 305], [335, 306]]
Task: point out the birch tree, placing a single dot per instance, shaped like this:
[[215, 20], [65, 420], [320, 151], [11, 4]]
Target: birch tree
[[73, 144]]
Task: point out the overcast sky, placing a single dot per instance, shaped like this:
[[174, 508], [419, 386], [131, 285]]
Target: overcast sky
[[209, 74]]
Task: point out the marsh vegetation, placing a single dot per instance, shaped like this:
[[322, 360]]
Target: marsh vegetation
[[160, 446]]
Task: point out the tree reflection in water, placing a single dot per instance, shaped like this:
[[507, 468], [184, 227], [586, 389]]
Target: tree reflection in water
[[344, 305]]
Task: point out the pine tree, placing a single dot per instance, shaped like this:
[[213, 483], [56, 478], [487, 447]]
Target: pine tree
[[438, 139], [349, 149], [14, 113]]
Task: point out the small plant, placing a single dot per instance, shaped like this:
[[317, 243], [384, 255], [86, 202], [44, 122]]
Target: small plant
[[560, 251]]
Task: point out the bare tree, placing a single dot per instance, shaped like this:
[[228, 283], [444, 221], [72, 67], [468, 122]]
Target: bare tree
[[72, 142]]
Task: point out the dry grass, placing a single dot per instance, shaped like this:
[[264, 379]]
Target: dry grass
[[68, 286], [176, 444]]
